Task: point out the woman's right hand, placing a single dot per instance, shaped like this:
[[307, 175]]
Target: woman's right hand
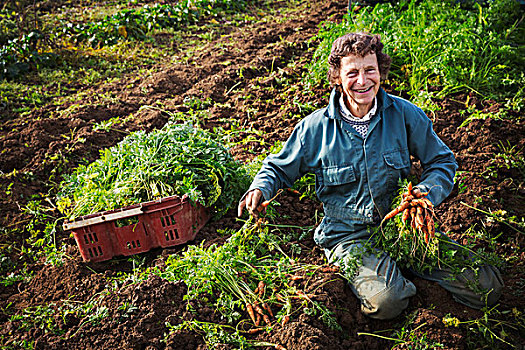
[[250, 202]]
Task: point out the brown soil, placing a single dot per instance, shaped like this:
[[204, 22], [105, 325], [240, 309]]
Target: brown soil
[[38, 148]]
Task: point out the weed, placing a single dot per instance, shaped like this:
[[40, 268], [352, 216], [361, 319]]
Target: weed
[[502, 216], [478, 115], [511, 157], [408, 335], [459, 180], [214, 334], [491, 329], [42, 227], [12, 273]]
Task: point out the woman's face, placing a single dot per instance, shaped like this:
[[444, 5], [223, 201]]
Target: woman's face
[[359, 78]]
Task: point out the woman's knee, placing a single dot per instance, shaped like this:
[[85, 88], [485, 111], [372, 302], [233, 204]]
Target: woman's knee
[[389, 302]]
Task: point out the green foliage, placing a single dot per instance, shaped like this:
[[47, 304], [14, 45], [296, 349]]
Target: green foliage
[[40, 317], [37, 48], [11, 273], [491, 329], [214, 334], [8, 25], [137, 23], [227, 276], [53, 317], [511, 157], [19, 55], [441, 44], [175, 160]]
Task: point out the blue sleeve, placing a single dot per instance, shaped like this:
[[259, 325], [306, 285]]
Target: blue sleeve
[[437, 160], [282, 169]]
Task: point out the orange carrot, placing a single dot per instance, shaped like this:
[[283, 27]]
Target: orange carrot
[[428, 202], [420, 219], [261, 287], [295, 277], [254, 330], [408, 198], [406, 215], [419, 202], [267, 308], [293, 191], [409, 188], [257, 308], [266, 319], [263, 206], [391, 214], [413, 212], [249, 308], [285, 320], [430, 226], [330, 269], [397, 210], [258, 320]]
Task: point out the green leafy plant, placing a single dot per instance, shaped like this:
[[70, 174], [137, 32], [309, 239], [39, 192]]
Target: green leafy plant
[[19, 55], [492, 328], [409, 336], [175, 160]]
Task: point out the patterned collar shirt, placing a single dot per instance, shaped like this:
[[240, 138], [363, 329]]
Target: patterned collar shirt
[[359, 124]]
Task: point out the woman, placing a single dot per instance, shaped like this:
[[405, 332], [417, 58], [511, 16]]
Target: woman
[[359, 147]]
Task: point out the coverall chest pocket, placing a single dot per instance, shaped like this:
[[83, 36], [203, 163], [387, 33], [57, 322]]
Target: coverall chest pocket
[[398, 165], [339, 184]]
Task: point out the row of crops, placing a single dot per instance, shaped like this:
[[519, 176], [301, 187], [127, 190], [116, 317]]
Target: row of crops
[[27, 44]]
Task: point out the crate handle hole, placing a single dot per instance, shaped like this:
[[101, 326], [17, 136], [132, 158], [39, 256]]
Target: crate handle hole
[[132, 220]]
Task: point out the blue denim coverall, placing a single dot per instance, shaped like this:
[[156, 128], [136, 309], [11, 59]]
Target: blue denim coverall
[[356, 179]]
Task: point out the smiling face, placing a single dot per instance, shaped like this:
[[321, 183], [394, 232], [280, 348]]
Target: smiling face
[[359, 78]]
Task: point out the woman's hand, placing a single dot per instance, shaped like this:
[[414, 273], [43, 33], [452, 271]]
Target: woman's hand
[[250, 202]]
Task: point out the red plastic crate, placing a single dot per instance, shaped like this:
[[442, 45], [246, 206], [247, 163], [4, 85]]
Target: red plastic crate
[[164, 222]]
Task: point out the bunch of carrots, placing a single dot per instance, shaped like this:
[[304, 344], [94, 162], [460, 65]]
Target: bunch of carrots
[[263, 312], [417, 212], [256, 312]]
